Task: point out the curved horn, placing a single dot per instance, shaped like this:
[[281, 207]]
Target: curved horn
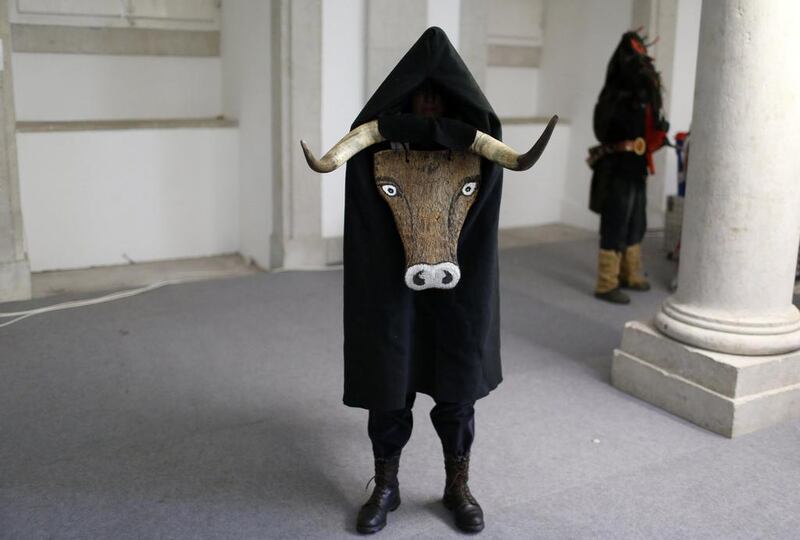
[[351, 144], [494, 150]]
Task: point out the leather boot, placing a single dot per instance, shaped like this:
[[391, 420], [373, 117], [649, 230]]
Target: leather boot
[[608, 269], [630, 276], [385, 497], [457, 497]]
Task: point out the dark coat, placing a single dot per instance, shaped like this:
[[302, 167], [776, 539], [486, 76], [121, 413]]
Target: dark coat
[[631, 85], [444, 343]]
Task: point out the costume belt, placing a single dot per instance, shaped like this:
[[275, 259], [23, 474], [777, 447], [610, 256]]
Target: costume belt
[[638, 146]]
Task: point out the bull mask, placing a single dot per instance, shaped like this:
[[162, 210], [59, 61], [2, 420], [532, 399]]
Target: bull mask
[[429, 193]]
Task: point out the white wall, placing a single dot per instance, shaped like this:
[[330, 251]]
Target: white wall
[[165, 14], [683, 75], [446, 14], [108, 197], [579, 37], [343, 43], [515, 22], [107, 87], [94, 198], [391, 27], [247, 97], [512, 91], [533, 197]]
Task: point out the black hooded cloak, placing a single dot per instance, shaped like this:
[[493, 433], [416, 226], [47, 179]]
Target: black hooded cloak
[[631, 85], [444, 343]]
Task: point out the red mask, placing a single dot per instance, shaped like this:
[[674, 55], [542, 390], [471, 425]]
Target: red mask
[[638, 46]]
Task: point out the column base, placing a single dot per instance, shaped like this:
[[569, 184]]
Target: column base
[[777, 334], [309, 252], [15, 281], [728, 394]]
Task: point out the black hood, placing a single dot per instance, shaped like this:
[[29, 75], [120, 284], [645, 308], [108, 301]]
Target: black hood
[[431, 60], [631, 70]]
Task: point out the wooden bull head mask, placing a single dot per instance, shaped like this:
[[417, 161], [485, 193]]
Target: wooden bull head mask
[[429, 193]]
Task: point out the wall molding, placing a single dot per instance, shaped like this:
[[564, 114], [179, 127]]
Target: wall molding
[[115, 125], [165, 14], [36, 38], [524, 56]]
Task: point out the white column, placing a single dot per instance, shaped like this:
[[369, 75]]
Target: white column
[[722, 352], [742, 212], [15, 276], [296, 114]]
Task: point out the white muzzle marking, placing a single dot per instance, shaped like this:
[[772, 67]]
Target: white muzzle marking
[[432, 276]]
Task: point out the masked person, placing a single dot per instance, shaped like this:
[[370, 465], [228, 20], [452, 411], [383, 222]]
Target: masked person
[[421, 303], [630, 125]]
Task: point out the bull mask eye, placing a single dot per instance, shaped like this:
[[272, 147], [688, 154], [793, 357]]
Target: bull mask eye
[[390, 190], [469, 188]]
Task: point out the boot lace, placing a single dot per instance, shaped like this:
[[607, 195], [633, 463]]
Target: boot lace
[[458, 483], [368, 483], [382, 477], [377, 493]]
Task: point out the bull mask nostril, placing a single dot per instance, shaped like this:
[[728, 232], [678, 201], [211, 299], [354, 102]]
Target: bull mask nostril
[[448, 278], [418, 279]]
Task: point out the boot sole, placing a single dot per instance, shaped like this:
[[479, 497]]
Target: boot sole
[[471, 529], [600, 296], [637, 288], [373, 530], [370, 531], [475, 529]]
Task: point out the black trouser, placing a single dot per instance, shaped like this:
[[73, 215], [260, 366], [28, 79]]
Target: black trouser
[[454, 423], [623, 220]]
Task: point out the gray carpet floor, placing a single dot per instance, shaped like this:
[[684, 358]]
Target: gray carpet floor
[[213, 410]]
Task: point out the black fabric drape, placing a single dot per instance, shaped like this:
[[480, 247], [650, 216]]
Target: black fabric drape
[[445, 343], [454, 423], [623, 221], [630, 85]]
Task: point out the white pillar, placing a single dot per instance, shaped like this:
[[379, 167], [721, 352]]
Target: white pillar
[[742, 212], [15, 275], [296, 66], [730, 361]]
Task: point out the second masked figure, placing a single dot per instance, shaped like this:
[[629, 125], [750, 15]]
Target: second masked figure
[[629, 123]]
